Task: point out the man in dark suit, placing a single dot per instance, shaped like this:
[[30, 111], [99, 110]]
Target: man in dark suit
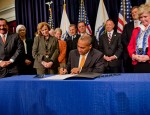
[[110, 45], [11, 50], [72, 39], [125, 37], [84, 58], [82, 30]]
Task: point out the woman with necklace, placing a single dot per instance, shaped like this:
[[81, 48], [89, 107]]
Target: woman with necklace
[[139, 46], [45, 51]]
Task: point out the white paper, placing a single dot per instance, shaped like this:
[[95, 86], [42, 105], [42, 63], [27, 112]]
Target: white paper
[[59, 77]]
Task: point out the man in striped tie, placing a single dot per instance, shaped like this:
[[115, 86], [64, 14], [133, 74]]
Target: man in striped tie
[[110, 45]]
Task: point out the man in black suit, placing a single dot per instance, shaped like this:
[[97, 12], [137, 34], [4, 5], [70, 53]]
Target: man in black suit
[[84, 58], [125, 37], [11, 50], [110, 45], [82, 30], [72, 39]]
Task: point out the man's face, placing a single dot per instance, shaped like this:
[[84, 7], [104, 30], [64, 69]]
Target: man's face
[[82, 27], [72, 30], [134, 14], [83, 47], [109, 26], [3, 27]]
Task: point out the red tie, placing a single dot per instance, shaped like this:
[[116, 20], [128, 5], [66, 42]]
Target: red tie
[[3, 38]]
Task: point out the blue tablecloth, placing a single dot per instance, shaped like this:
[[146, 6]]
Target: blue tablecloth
[[118, 94]]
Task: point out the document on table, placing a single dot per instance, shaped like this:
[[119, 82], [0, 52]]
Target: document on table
[[59, 77]]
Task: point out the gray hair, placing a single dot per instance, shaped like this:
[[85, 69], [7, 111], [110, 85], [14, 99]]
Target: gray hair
[[19, 27]]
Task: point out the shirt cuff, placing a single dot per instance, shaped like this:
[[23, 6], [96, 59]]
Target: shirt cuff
[[11, 60], [116, 57]]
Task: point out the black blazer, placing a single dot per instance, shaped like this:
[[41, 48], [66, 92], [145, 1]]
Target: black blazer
[[71, 43], [112, 48], [12, 49], [125, 38], [94, 61]]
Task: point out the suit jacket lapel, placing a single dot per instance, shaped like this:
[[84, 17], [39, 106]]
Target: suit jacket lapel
[[106, 39], [8, 39], [88, 59], [42, 40], [113, 37], [76, 61], [1, 42]]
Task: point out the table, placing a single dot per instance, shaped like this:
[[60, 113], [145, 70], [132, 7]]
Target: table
[[112, 94]]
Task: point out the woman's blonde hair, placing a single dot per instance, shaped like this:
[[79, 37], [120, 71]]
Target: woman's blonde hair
[[58, 30], [144, 8], [40, 26]]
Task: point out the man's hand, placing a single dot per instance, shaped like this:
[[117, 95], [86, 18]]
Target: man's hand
[[75, 71], [5, 63]]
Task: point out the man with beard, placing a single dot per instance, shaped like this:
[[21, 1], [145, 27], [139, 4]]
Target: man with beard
[[11, 50]]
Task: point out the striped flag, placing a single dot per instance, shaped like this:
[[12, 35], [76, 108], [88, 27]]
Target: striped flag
[[64, 23], [124, 14], [83, 17], [50, 20], [102, 17]]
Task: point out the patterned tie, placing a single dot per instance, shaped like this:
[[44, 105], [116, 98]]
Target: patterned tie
[[109, 37], [3, 38], [82, 61]]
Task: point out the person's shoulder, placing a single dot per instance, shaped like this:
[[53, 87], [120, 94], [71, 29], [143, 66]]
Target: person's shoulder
[[96, 52], [73, 51], [13, 34]]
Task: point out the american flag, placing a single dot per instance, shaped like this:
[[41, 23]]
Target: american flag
[[124, 14], [50, 21], [83, 17]]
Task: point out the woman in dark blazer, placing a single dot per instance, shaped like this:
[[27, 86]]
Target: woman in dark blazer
[[45, 51], [139, 46]]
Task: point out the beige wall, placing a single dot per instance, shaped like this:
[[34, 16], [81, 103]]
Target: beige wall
[[6, 3], [7, 9]]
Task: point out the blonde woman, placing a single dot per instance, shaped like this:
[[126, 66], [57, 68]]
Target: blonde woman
[[139, 46], [45, 51], [62, 48]]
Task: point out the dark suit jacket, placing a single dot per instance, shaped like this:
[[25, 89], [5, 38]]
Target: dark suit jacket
[[125, 38], [12, 49], [94, 61], [114, 48], [71, 44]]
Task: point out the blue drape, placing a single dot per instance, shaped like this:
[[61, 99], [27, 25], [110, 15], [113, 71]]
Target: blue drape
[[31, 12]]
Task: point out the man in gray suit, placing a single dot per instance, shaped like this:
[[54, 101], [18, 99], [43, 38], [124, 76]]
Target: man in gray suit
[[93, 59], [110, 45], [11, 51]]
